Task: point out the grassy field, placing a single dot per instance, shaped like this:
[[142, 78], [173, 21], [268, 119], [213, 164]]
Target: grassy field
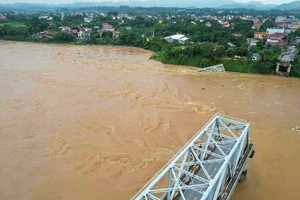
[[230, 65], [239, 66], [13, 24]]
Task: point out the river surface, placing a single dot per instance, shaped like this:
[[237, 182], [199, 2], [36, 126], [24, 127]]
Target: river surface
[[97, 122]]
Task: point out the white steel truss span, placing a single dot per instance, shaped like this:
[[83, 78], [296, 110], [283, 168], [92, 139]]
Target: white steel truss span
[[200, 169]]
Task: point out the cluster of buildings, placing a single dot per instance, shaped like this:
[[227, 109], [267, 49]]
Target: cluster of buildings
[[2, 16], [287, 22], [82, 33], [46, 17], [106, 27], [273, 36]]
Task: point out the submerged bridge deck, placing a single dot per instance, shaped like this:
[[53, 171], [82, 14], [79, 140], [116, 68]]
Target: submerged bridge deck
[[208, 167]]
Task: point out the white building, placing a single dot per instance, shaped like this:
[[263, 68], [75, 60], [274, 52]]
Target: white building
[[275, 30], [180, 38], [255, 56], [208, 24], [280, 19], [88, 19]]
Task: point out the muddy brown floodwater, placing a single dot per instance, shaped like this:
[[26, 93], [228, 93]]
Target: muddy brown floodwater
[[97, 122]]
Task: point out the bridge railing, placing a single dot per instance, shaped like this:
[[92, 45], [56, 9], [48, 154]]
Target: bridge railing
[[199, 148], [176, 155]]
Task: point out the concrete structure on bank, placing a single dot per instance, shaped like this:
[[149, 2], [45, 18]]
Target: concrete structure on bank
[[284, 65], [215, 68], [284, 61]]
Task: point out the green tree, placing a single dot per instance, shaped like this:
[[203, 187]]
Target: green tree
[[266, 55], [296, 67], [230, 53], [64, 37], [264, 67]]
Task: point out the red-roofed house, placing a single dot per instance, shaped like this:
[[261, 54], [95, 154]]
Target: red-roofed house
[[74, 32], [276, 36], [256, 25], [281, 44], [2, 16], [104, 24], [260, 35], [277, 39], [107, 27], [51, 25], [63, 28], [236, 35]]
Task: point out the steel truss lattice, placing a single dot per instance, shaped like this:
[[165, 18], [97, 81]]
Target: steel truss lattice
[[201, 168]]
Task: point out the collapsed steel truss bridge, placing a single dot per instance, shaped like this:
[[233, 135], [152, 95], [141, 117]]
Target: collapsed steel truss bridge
[[208, 167]]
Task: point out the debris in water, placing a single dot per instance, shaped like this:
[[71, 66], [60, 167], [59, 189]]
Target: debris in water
[[297, 128]]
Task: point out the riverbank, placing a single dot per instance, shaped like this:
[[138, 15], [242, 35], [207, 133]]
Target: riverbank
[[230, 65], [162, 55]]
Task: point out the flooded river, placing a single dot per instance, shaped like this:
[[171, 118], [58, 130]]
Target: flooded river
[[91, 122]]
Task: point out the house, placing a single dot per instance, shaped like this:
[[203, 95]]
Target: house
[[288, 31], [252, 42], [83, 34], [65, 29], [275, 30], [107, 27], [277, 39], [260, 35], [276, 36], [280, 19], [208, 24], [236, 35], [87, 29], [74, 32], [256, 25], [231, 45], [180, 38], [125, 28], [121, 16], [88, 19], [116, 34], [283, 24], [255, 56], [44, 34], [226, 26], [51, 25], [2, 16], [46, 17]]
